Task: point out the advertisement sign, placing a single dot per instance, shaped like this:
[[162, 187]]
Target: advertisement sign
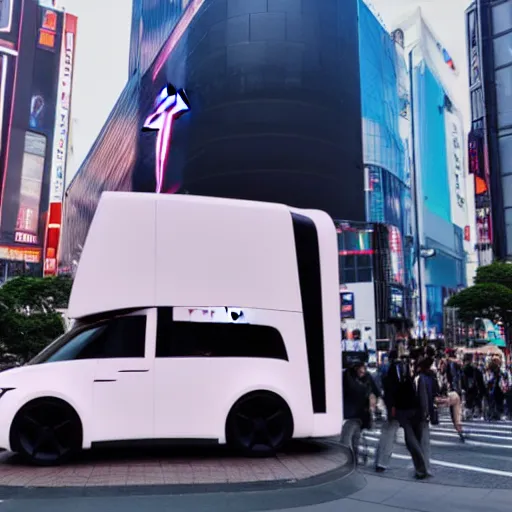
[[20, 254], [27, 225], [4, 61], [347, 305], [60, 146], [474, 53], [396, 302], [396, 253], [47, 38], [483, 226], [6, 11], [63, 111], [457, 179]]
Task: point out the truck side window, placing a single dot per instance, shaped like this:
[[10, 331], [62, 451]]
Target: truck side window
[[208, 339]]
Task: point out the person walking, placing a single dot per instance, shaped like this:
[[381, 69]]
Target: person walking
[[473, 386], [427, 390], [391, 425], [357, 390], [449, 398], [405, 407]]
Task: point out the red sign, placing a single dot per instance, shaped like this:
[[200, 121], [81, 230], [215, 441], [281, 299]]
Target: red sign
[[50, 21], [48, 30], [467, 234]]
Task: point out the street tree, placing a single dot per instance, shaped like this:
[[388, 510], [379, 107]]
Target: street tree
[[497, 272], [29, 316], [486, 300]]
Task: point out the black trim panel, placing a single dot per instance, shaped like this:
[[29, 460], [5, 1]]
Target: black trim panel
[[105, 380], [133, 371], [155, 442], [308, 261]]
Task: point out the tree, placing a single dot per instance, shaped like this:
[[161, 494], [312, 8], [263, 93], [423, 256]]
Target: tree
[[498, 272], [29, 319], [487, 300]]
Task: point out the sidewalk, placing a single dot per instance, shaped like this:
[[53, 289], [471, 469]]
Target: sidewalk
[[177, 470]]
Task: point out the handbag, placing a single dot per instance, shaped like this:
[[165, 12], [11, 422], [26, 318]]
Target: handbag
[[434, 416]]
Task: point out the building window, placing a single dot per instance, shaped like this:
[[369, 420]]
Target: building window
[[505, 144], [502, 17], [503, 49], [357, 268], [477, 104], [206, 339], [504, 96], [506, 187]]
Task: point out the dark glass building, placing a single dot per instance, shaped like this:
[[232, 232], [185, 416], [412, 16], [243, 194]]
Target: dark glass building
[[489, 37], [275, 111]]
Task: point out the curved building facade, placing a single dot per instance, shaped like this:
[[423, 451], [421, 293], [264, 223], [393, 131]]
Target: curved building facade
[[274, 113]]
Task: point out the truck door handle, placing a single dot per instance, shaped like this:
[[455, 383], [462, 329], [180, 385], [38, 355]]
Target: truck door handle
[[133, 371]]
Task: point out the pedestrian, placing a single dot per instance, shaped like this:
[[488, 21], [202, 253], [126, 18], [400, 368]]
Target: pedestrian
[[357, 391], [391, 425], [449, 398], [406, 409], [427, 390], [472, 385]]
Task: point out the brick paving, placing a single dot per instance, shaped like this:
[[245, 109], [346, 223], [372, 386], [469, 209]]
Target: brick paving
[[192, 465]]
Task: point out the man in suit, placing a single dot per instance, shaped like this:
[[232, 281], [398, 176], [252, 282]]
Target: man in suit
[[404, 411]]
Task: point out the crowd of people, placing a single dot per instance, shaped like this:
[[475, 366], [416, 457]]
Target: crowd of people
[[414, 388]]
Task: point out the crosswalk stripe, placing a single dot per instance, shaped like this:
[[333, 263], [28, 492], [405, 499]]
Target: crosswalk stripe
[[501, 425], [467, 442], [473, 433], [475, 428], [454, 465]]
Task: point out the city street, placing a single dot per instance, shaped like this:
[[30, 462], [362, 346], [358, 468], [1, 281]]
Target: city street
[[484, 460], [470, 476]]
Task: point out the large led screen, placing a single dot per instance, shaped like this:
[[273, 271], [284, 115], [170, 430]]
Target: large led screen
[[27, 225]]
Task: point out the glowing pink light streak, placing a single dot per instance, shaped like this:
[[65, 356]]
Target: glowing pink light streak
[[170, 105]]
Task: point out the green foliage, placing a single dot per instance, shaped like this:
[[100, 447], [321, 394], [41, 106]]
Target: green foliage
[[498, 272], [36, 294], [28, 317], [487, 300]]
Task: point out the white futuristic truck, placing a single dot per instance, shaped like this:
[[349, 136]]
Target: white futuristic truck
[[196, 320]]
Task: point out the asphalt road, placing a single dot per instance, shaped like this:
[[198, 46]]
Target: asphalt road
[[484, 460]]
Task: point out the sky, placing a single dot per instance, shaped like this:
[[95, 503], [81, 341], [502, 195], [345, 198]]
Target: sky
[[101, 69], [101, 63]]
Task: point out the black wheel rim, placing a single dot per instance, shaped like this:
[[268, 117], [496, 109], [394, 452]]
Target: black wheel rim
[[47, 433], [260, 424]]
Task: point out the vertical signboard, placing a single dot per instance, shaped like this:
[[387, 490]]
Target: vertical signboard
[[32, 170], [455, 165], [60, 145]]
